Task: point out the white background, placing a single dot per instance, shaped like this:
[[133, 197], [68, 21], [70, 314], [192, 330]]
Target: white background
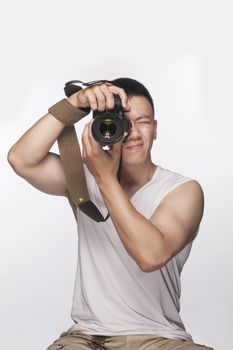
[[182, 51]]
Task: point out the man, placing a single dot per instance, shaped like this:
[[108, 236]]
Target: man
[[127, 285]]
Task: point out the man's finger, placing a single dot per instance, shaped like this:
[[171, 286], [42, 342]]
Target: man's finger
[[116, 149], [100, 98], [94, 145], [85, 138], [91, 97], [108, 96], [119, 91]]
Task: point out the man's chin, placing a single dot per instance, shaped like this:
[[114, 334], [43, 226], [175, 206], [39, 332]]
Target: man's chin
[[130, 160]]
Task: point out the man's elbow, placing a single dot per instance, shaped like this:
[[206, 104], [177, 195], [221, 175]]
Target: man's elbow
[[14, 162], [150, 266], [11, 158]]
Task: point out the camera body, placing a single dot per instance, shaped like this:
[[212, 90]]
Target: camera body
[[109, 126]]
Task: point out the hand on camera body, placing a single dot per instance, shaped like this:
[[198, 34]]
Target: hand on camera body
[[103, 165], [99, 97]]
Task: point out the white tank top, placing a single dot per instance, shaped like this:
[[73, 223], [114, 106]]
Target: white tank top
[[112, 295]]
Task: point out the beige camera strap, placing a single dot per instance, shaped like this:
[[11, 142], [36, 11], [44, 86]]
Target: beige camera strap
[[71, 159]]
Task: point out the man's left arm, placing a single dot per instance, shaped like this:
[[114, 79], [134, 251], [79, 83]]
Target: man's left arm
[[151, 243]]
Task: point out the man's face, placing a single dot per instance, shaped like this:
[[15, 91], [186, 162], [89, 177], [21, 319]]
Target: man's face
[[136, 149]]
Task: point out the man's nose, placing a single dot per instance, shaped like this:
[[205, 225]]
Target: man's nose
[[134, 131]]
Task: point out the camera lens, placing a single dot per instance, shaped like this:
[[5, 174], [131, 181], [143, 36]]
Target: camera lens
[[107, 128]]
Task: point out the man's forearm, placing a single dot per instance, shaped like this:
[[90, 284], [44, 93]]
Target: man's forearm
[[36, 142], [143, 241]]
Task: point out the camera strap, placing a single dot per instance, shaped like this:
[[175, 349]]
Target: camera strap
[[73, 165]]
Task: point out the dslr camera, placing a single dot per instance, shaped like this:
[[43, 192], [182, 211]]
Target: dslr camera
[[108, 126]]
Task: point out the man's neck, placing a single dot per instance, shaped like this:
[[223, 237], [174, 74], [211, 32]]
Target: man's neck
[[134, 177]]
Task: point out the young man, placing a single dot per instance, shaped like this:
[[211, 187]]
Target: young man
[[127, 285]]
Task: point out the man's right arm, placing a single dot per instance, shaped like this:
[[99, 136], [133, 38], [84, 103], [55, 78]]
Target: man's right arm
[[30, 157]]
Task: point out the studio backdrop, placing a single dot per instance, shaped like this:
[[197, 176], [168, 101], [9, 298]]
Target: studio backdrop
[[182, 52]]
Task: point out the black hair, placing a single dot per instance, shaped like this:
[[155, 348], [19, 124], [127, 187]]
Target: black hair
[[133, 87]]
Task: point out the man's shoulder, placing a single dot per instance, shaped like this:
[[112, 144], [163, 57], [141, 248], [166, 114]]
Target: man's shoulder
[[169, 179], [171, 184], [172, 174], [182, 193]]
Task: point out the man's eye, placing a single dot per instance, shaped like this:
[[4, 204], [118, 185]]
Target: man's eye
[[143, 121]]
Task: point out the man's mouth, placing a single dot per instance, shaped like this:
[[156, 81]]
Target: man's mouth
[[132, 146]]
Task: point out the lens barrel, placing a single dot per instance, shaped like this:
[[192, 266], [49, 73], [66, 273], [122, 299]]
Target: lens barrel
[[109, 127]]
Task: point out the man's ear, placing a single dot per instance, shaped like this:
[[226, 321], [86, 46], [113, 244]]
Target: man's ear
[[155, 129]]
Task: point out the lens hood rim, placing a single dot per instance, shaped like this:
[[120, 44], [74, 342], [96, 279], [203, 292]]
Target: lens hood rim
[[96, 126]]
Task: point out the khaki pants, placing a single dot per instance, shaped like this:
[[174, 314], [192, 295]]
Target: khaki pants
[[79, 341]]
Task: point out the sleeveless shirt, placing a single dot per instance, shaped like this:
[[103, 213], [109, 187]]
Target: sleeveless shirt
[[112, 295]]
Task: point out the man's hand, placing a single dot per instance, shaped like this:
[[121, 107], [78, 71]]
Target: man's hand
[[99, 97], [102, 164]]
